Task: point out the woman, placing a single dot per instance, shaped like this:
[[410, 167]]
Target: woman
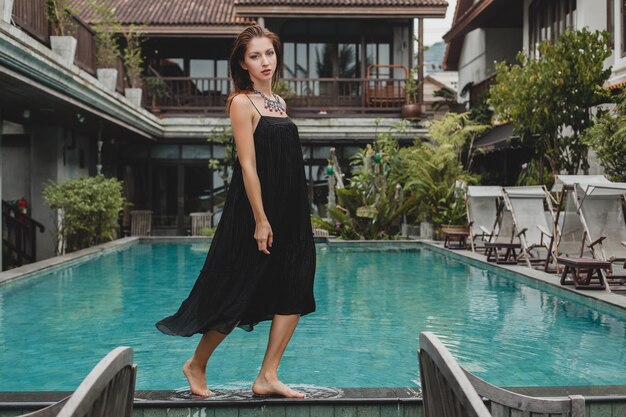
[[261, 263]]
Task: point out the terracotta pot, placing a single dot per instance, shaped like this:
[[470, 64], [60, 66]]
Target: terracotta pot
[[411, 111]]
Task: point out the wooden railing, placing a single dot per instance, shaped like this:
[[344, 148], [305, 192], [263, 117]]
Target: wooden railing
[[19, 237], [86, 46], [31, 17], [359, 95]]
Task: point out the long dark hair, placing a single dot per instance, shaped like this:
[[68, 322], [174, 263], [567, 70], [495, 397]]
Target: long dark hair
[[241, 78]]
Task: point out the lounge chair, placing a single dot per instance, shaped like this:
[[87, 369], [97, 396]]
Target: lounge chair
[[448, 390], [570, 236], [534, 226], [141, 222], [504, 245], [482, 212], [601, 210], [108, 390]]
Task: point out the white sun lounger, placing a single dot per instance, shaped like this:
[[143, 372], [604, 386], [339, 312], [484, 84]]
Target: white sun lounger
[[482, 203]]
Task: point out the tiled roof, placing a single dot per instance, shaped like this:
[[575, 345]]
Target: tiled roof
[[169, 12], [343, 3]]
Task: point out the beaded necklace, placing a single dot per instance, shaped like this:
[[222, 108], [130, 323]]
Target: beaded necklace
[[271, 104]]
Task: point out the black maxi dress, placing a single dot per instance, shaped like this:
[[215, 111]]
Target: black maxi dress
[[239, 285]]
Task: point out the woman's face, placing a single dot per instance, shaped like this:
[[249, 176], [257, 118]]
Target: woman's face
[[260, 60]]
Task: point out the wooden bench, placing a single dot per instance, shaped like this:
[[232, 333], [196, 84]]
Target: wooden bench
[[493, 250], [592, 268], [458, 236]]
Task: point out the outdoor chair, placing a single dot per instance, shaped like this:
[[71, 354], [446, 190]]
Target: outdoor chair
[[569, 246], [140, 222], [502, 402], [601, 208], [448, 390], [502, 248], [108, 390], [199, 221], [482, 204], [533, 225]]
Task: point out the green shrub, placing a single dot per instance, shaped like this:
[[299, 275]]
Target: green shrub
[[90, 207]]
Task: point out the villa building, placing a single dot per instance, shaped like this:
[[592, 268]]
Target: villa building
[[346, 65], [484, 32]]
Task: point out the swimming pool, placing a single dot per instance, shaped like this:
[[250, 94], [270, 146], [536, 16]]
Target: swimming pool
[[373, 300]]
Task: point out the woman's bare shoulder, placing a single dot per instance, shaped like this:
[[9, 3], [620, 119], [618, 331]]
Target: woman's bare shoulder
[[240, 102]]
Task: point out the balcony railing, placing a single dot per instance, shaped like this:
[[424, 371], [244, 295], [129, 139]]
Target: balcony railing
[[31, 17], [346, 95]]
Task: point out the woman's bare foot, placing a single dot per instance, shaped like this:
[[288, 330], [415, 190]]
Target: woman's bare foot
[[196, 376], [271, 385]]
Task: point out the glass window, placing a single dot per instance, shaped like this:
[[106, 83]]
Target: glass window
[[202, 68], [302, 63], [197, 152], [610, 24], [165, 152], [348, 60], [289, 59], [548, 19]]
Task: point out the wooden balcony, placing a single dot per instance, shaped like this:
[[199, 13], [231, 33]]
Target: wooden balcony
[[31, 17], [307, 96]]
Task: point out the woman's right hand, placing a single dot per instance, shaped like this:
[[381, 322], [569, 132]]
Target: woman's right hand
[[264, 236]]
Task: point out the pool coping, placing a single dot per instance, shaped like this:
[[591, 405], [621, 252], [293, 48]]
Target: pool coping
[[165, 398]]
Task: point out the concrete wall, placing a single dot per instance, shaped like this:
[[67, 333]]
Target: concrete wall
[[33, 156], [472, 61], [502, 44]]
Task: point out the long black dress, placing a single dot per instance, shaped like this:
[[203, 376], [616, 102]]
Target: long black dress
[[239, 285]]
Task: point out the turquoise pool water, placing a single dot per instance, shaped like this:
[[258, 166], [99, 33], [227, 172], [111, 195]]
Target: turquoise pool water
[[372, 304]]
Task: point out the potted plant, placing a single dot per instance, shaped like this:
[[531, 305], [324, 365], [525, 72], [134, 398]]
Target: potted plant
[[133, 64], [62, 43], [412, 109], [107, 45], [155, 89]]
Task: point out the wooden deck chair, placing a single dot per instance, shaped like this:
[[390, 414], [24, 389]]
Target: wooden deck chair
[[568, 230], [504, 245], [446, 390], [140, 222], [601, 211], [108, 390], [533, 224], [482, 204], [199, 221], [502, 402]]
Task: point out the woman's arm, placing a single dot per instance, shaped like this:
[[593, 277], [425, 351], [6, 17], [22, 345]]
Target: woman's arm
[[242, 119]]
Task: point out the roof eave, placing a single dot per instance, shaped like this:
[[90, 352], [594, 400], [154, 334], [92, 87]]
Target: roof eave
[[463, 24], [336, 12], [209, 31]]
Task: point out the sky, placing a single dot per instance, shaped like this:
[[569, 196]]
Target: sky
[[434, 29]]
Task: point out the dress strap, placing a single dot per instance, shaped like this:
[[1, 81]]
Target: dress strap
[[257, 110]]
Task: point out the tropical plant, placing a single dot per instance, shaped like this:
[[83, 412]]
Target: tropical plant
[[106, 27], [59, 13], [372, 204], [133, 55], [432, 172], [223, 135], [607, 137], [412, 86], [549, 100], [90, 208]]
